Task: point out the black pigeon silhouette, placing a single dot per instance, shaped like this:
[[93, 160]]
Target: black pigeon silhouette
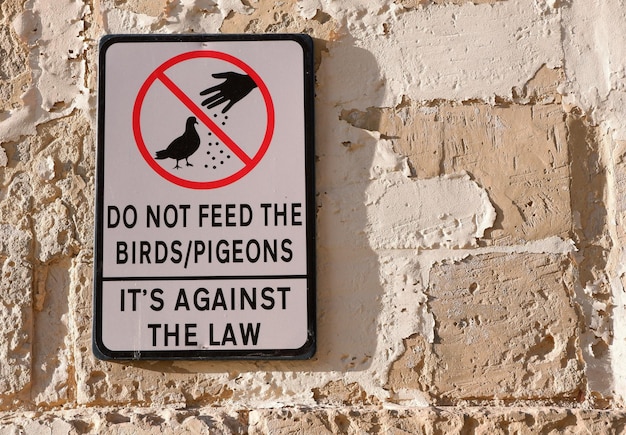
[[183, 146]]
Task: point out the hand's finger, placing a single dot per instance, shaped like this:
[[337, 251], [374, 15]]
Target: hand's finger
[[229, 105], [222, 75], [214, 98], [211, 89], [216, 103]]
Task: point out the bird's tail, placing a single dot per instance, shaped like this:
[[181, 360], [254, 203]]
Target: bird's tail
[[161, 155]]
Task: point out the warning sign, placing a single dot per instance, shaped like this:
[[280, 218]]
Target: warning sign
[[205, 213], [245, 145]]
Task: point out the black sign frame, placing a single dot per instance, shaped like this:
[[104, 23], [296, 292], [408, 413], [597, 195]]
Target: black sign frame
[[308, 349]]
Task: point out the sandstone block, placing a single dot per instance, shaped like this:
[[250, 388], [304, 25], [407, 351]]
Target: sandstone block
[[339, 393], [506, 328], [16, 316], [516, 150], [492, 421], [518, 153], [322, 420]]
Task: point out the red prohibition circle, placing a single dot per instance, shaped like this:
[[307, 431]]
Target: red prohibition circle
[[159, 74]]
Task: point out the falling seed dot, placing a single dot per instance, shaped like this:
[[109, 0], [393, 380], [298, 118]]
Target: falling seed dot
[[228, 157], [214, 167], [221, 151], [223, 123], [215, 115], [210, 134], [206, 166], [213, 158], [225, 117], [221, 162]]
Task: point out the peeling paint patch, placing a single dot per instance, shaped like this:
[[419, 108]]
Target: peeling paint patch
[[517, 151], [53, 32], [502, 323], [445, 52], [450, 212]]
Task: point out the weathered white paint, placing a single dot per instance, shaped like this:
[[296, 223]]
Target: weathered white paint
[[379, 229], [444, 51]]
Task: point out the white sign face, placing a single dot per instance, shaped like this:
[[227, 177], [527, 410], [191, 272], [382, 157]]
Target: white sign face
[[205, 198]]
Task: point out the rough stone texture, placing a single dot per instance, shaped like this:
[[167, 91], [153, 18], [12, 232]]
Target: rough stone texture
[[339, 393], [470, 179], [282, 17], [415, 3], [520, 308], [16, 317], [290, 420], [14, 75], [148, 7], [517, 151], [437, 421]]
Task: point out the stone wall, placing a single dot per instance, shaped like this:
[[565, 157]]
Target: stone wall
[[470, 177]]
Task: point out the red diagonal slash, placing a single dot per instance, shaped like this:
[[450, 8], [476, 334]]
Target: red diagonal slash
[[249, 162], [169, 84]]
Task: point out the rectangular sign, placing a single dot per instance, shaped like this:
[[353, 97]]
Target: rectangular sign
[[205, 212]]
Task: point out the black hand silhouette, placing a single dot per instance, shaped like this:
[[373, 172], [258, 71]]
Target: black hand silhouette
[[234, 88]]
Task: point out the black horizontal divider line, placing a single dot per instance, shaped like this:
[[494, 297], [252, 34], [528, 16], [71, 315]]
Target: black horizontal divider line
[[199, 278]]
